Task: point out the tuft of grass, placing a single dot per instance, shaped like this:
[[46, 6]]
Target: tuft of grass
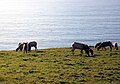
[[58, 65]]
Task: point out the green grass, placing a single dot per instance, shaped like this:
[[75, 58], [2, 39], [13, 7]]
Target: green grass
[[59, 66]]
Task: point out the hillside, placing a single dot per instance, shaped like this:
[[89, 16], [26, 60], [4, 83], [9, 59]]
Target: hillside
[[58, 65]]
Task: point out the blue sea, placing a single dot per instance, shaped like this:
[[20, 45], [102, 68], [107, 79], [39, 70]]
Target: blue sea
[[58, 23]]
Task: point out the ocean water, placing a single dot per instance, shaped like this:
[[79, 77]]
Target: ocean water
[[58, 23]]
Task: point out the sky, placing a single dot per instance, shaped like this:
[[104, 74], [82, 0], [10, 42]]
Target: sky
[[20, 5]]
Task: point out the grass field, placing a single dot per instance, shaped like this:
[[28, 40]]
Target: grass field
[[59, 66]]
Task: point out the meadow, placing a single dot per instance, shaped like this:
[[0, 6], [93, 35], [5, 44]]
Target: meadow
[[59, 66]]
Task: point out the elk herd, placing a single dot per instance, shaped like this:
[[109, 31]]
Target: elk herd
[[26, 46], [98, 46]]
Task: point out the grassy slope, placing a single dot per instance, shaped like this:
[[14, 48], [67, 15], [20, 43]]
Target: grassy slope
[[59, 66]]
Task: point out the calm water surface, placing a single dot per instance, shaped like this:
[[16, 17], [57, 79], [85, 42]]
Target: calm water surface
[[57, 23]]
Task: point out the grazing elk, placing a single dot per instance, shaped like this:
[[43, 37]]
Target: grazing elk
[[32, 44], [81, 47], [20, 47], [105, 44], [98, 44], [116, 46], [25, 46]]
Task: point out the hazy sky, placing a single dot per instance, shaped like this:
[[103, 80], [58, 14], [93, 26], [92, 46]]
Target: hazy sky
[[13, 6]]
